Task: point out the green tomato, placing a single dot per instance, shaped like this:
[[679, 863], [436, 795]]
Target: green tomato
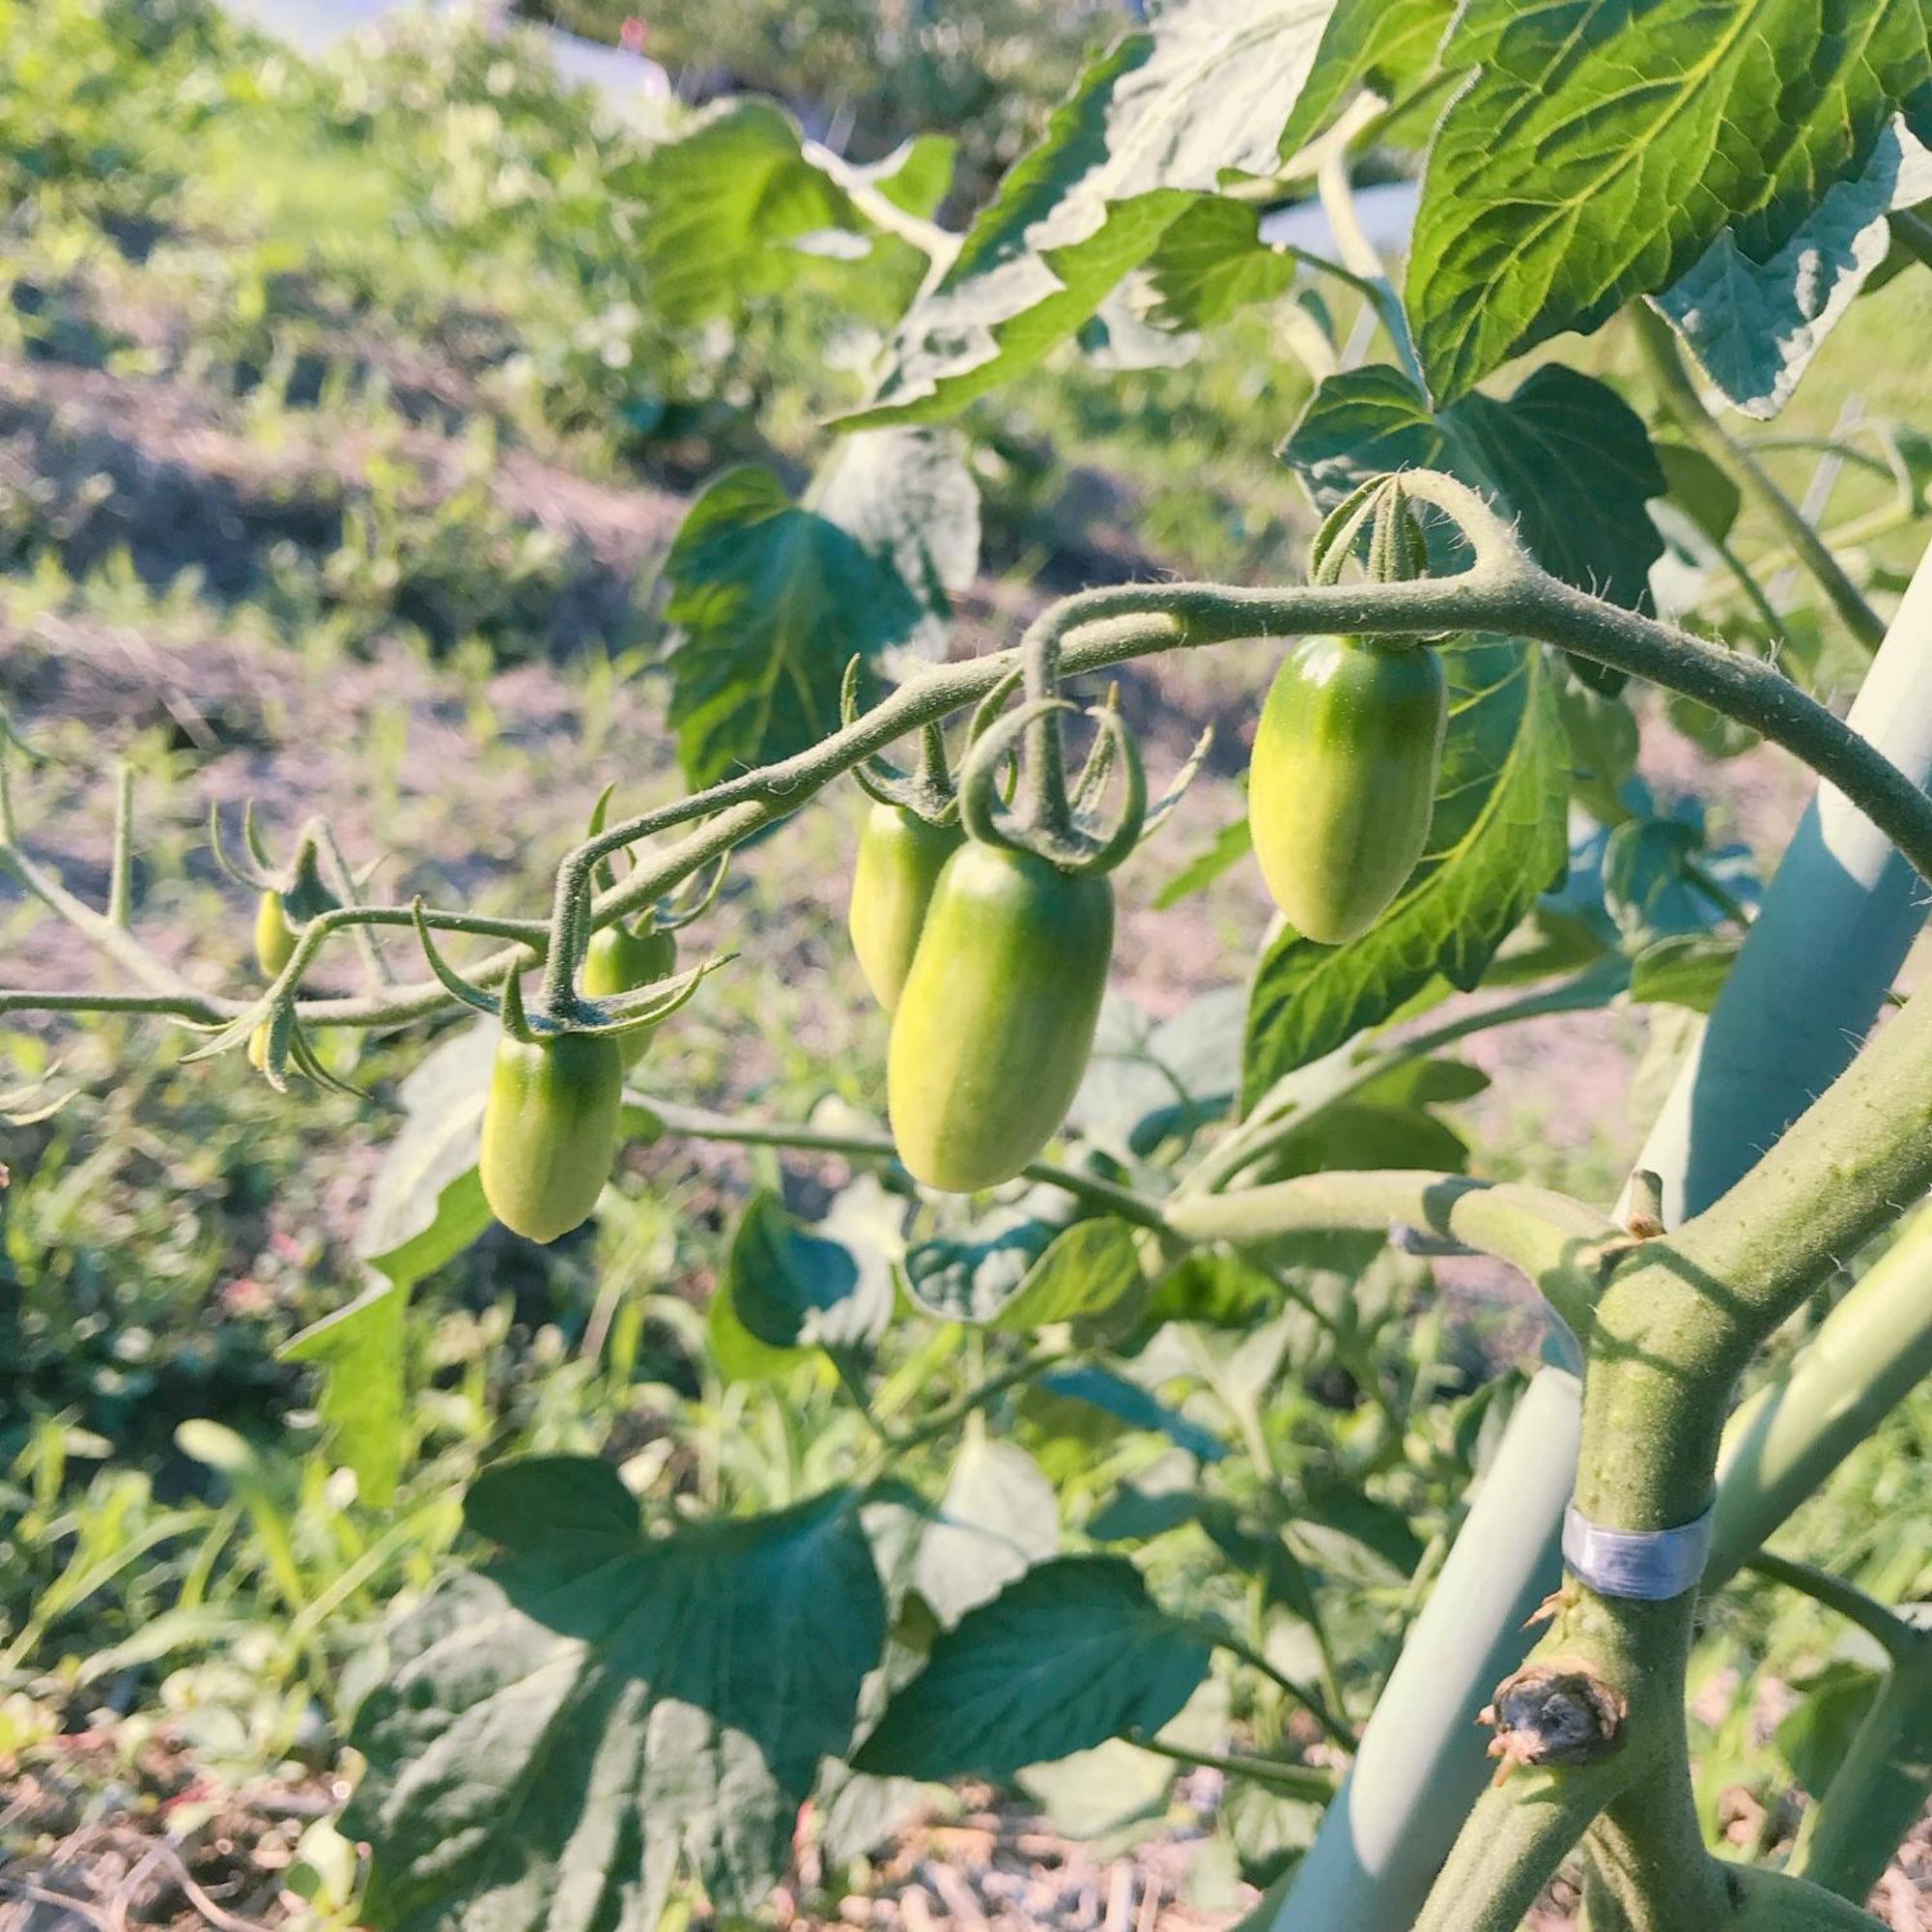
[[620, 961], [274, 936], [996, 1018], [1343, 782], [551, 1129], [899, 860]]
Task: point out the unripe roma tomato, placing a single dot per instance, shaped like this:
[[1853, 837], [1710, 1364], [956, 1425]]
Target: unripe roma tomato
[[1341, 787], [996, 1021]]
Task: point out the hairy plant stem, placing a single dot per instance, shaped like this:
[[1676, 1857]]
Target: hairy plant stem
[[1681, 398], [1501, 592], [1560, 1244], [1674, 1325], [696, 1124]]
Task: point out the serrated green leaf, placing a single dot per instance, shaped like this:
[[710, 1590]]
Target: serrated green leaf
[[1755, 327], [725, 206], [794, 1287], [972, 1279], [770, 602], [1498, 837], [1602, 146], [1212, 262], [1565, 453], [1087, 1269], [576, 1725], [909, 499], [1073, 1653], [1165, 116], [1378, 43]]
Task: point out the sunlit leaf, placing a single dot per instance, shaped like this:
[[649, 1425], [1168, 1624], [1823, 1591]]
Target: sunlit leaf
[[593, 1715], [1602, 146]]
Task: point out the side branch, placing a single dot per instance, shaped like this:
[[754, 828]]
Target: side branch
[[1560, 1244]]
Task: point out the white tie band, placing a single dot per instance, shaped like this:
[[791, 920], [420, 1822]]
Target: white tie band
[[1649, 1565]]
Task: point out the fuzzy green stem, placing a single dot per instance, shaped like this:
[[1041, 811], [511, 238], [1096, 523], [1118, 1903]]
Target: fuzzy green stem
[[1885, 1627], [1869, 1354], [696, 1124], [1502, 591], [1559, 1243]]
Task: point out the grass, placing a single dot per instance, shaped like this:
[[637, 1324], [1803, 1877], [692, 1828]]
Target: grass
[[380, 320]]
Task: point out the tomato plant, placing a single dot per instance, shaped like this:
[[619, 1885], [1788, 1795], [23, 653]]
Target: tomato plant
[[1129, 1257]]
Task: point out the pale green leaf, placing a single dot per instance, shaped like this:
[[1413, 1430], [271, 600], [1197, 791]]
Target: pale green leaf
[[1378, 43], [1073, 1653], [360, 1349], [727, 206], [1167, 115], [427, 1205]]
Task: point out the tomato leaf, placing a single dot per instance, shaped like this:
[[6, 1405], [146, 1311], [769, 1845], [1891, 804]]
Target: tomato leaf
[[1564, 454], [1682, 969], [790, 1287], [1602, 146], [528, 1499], [727, 206], [1165, 116], [360, 1349], [427, 1205], [1073, 1653], [1755, 327], [590, 1715], [1497, 840], [1380, 43], [1213, 262], [770, 599]]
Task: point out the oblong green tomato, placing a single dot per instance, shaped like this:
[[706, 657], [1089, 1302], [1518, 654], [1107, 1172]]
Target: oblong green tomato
[[1342, 786], [619, 961], [274, 936], [996, 1021], [899, 860], [550, 1128]]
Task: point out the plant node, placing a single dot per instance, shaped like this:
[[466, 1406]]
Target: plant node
[[1557, 1712]]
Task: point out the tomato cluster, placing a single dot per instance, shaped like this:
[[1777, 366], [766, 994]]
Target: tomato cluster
[[989, 938]]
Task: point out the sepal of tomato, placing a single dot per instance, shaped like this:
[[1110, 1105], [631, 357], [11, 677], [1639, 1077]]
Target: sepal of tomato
[[900, 857], [552, 1125], [620, 961], [274, 936], [996, 1021], [1342, 786]]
